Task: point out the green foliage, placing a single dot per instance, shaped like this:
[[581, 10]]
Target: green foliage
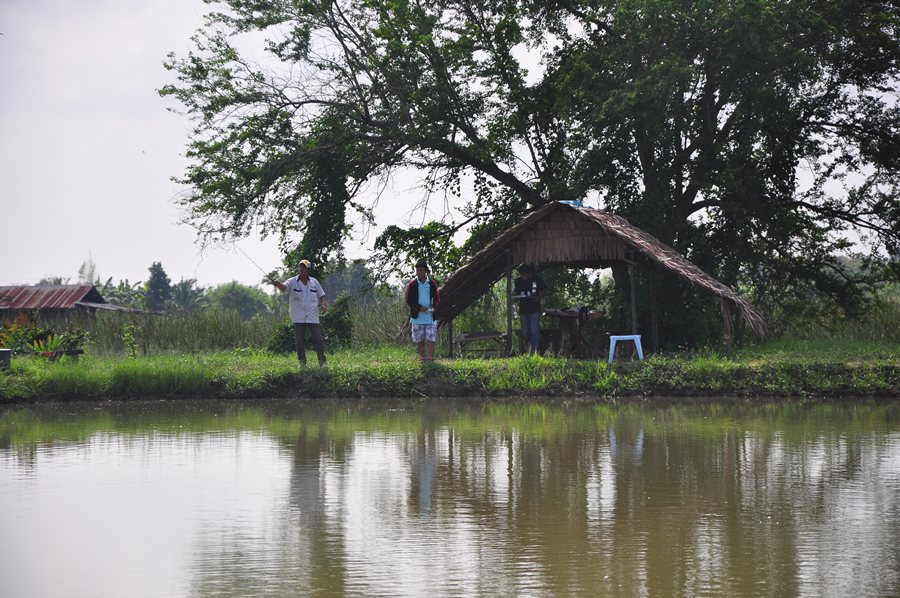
[[21, 333], [53, 281], [379, 320], [778, 369], [158, 288], [324, 226], [129, 340], [282, 340], [73, 339], [337, 327], [26, 335], [487, 313], [187, 296], [398, 249], [45, 345], [144, 334], [124, 293], [241, 299], [337, 323], [689, 118], [352, 278], [823, 318]]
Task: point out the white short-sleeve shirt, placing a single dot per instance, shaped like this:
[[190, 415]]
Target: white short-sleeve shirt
[[303, 300]]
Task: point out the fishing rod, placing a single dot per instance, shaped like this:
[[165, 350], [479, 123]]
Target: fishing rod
[[252, 261]]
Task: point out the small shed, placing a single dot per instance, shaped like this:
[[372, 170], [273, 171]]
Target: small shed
[[53, 300], [562, 233]]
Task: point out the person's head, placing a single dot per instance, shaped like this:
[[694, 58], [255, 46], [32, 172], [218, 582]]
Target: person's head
[[421, 269], [526, 271], [303, 267]]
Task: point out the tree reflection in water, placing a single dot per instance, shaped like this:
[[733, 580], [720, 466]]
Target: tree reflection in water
[[778, 500]]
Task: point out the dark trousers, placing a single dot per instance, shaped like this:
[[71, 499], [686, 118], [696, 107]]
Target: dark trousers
[[531, 330], [300, 340]]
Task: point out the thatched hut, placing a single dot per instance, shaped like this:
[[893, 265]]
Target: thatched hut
[[561, 233]]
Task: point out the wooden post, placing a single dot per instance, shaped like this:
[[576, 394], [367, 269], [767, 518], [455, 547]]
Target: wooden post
[[509, 303], [450, 339], [654, 321], [728, 321], [633, 299]]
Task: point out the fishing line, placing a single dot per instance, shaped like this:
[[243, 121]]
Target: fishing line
[[266, 274]]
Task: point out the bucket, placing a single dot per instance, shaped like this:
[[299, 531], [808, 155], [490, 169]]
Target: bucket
[[5, 358]]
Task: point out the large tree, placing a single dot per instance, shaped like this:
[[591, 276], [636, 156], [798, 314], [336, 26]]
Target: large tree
[[158, 288], [233, 296], [753, 135]]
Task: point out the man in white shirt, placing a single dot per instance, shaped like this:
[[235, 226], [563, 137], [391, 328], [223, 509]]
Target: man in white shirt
[[306, 297]]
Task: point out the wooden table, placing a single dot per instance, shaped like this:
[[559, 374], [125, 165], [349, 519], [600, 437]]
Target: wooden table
[[570, 343]]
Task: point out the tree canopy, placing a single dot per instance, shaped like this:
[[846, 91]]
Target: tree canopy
[[233, 296], [758, 137], [158, 288]]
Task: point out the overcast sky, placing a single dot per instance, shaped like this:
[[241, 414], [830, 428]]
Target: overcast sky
[[88, 148]]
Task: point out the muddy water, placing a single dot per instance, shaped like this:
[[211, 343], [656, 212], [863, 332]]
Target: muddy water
[[288, 499]]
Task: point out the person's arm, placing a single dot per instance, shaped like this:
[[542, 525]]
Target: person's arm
[[518, 289], [323, 302], [412, 302], [279, 285]]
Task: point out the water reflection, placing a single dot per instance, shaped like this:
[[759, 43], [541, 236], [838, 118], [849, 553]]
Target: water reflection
[[283, 499]]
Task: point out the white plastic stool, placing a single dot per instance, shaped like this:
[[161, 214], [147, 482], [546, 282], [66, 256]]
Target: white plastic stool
[[636, 338]]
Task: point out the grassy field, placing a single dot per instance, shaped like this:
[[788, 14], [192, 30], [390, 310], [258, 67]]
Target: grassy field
[[784, 368], [216, 354]]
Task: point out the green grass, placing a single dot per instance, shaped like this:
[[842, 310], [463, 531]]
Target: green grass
[[792, 368]]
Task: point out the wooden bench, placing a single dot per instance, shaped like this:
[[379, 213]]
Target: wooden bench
[[496, 342]]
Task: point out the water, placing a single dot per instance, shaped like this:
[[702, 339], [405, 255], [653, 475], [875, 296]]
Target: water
[[292, 499]]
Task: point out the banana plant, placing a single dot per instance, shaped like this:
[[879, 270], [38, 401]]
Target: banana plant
[[46, 345]]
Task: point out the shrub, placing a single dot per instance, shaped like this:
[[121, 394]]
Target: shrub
[[24, 334], [282, 341], [337, 327]]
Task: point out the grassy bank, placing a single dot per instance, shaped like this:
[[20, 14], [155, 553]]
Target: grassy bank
[[798, 368]]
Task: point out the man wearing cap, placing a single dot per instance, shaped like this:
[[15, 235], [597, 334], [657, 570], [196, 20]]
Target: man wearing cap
[[529, 290], [422, 298], [306, 297]]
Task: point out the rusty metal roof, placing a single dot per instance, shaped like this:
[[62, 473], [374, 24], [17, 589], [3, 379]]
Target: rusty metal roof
[[48, 297]]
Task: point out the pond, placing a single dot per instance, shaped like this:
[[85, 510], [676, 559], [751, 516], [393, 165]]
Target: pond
[[284, 498]]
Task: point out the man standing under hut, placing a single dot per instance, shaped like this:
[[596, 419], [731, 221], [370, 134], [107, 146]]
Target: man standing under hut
[[306, 297], [422, 298], [529, 290]]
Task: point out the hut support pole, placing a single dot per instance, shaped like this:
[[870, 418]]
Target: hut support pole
[[728, 321], [633, 299], [450, 339], [654, 321], [509, 302]]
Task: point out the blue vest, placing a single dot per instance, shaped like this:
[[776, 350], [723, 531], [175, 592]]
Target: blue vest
[[424, 299]]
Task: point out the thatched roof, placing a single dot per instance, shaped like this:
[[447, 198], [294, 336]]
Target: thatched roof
[[559, 233]]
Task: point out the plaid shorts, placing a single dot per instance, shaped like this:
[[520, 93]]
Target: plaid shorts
[[424, 332]]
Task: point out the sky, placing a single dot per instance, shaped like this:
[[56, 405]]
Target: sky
[[88, 148]]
